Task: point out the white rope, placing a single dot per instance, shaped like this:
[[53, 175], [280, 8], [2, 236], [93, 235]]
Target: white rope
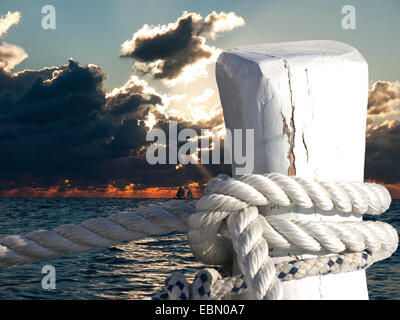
[[95, 233], [252, 254], [227, 219], [236, 201], [259, 190]]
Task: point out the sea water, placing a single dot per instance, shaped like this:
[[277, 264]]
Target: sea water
[[131, 270]]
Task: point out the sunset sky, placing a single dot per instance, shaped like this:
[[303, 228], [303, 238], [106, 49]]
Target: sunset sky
[[76, 102]]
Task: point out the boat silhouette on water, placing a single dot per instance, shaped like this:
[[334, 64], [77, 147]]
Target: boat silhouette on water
[[180, 194]]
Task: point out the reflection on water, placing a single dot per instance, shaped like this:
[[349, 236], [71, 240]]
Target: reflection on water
[[144, 265], [127, 271], [131, 270]]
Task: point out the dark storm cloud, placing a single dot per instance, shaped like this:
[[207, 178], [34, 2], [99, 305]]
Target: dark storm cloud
[[131, 99], [382, 98], [73, 93], [16, 83], [169, 49], [59, 123], [383, 153]]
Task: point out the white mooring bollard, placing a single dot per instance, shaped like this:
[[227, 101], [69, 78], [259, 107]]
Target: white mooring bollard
[[307, 103]]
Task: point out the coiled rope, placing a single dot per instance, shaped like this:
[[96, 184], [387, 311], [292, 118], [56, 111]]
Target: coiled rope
[[227, 220]]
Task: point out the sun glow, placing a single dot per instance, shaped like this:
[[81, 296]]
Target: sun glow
[[110, 191], [150, 121]]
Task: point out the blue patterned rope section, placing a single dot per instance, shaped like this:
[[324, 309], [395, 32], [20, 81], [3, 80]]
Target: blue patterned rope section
[[208, 284]]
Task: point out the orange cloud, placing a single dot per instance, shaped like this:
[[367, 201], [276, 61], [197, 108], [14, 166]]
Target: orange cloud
[[130, 191], [110, 191]]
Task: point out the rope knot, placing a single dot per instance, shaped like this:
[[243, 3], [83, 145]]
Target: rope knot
[[228, 225]]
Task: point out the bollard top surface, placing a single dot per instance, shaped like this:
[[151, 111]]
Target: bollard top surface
[[305, 100], [297, 49]]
